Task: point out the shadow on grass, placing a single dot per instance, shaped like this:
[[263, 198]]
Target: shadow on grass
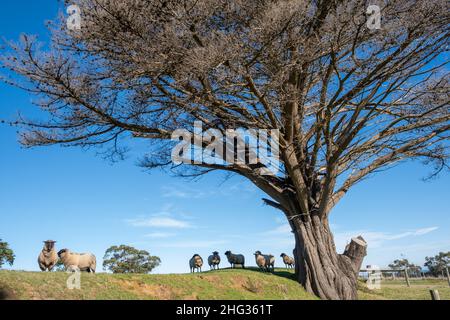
[[6, 293], [284, 273]]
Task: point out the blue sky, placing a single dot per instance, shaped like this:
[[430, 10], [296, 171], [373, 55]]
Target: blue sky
[[88, 204]]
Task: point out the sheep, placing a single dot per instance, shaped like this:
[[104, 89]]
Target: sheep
[[48, 257], [265, 261], [196, 262], [260, 260], [271, 262], [288, 261], [235, 259], [78, 261], [214, 260]]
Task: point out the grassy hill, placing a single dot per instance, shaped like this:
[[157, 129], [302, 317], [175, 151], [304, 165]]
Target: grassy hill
[[223, 284]]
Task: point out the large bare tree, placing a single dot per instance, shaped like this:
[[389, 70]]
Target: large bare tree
[[348, 100]]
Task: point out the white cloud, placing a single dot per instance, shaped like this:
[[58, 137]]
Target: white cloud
[[280, 230], [159, 235], [377, 239], [184, 192], [282, 236], [422, 231], [160, 222], [193, 244]]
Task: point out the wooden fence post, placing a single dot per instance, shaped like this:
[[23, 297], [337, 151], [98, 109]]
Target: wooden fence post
[[435, 295], [407, 278]]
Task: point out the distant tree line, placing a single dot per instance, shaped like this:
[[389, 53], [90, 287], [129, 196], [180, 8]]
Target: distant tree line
[[436, 265], [126, 259], [6, 254]]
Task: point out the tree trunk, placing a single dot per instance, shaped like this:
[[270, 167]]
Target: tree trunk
[[319, 268]]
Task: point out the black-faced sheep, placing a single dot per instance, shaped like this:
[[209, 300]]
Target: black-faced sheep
[[48, 257], [265, 261], [288, 261], [196, 262], [235, 259], [78, 261], [214, 260]]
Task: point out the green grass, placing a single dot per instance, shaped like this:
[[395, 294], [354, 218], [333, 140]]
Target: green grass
[[224, 284], [217, 285], [398, 290]]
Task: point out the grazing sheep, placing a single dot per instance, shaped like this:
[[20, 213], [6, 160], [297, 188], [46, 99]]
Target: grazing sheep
[[288, 261], [235, 259], [196, 262], [48, 257], [214, 260], [78, 261], [265, 261]]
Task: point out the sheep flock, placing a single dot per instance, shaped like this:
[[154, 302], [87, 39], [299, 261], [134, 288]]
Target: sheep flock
[[265, 262], [77, 262]]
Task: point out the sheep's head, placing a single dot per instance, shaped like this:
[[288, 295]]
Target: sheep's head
[[215, 253], [282, 255], [257, 253], [228, 253], [62, 252], [49, 245]]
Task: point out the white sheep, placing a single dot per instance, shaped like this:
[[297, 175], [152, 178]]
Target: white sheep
[[48, 257], [78, 261]]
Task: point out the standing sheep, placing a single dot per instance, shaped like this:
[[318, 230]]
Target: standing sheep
[[196, 262], [78, 261], [214, 260], [288, 261], [260, 260], [235, 259], [265, 261], [48, 258]]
